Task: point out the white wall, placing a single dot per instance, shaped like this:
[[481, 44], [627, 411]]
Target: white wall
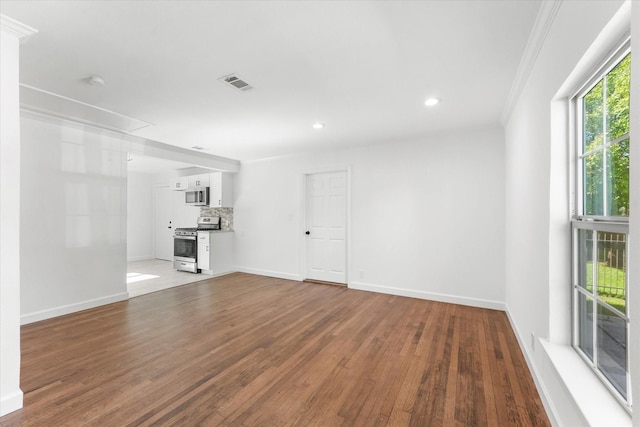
[[73, 224], [10, 393], [537, 213], [427, 217], [139, 216]]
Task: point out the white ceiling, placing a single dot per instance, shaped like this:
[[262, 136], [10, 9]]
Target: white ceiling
[[363, 68]]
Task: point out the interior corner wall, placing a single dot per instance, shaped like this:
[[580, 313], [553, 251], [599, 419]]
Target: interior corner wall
[[139, 216], [73, 223], [537, 230], [427, 217]]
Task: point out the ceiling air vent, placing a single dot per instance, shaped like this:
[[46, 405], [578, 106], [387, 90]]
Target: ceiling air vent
[[236, 82]]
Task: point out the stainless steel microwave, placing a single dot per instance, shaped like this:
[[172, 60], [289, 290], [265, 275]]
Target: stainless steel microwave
[[198, 196]]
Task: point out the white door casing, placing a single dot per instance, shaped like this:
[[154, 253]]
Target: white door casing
[[326, 225], [163, 229]]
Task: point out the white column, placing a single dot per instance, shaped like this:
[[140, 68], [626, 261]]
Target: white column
[[11, 33]]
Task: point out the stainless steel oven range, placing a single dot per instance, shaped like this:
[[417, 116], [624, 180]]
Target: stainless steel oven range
[[185, 243], [185, 249]]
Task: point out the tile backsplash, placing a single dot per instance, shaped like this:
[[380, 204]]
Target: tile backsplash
[[225, 214]]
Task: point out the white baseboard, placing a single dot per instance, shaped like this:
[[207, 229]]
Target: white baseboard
[[139, 258], [211, 274], [552, 412], [72, 308], [268, 273], [432, 296], [11, 402]]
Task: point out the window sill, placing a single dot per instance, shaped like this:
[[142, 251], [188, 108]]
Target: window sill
[[590, 396]]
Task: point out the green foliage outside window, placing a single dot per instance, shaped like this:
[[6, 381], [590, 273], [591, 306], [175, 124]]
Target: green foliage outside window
[[606, 121]]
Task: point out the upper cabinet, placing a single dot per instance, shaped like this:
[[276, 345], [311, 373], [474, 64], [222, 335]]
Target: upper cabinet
[[220, 190], [220, 187], [180, 183], [201, 180]]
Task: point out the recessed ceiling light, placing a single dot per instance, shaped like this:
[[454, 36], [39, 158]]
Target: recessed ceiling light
[[318, 125], [430, 102]]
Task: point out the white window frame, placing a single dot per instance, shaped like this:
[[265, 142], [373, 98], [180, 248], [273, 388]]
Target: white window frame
[[614, 224]]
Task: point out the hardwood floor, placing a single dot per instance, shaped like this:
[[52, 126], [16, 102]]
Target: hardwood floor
[[244, 350]]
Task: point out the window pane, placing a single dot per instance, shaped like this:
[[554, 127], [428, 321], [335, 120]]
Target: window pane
[[618, 179], [618, 99], [593, 197], [612, 348], [612, 269], [585, 324], [592, 106], [599, 318], [585, 259]]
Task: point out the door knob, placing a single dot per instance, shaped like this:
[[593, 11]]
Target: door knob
[[307, 232]]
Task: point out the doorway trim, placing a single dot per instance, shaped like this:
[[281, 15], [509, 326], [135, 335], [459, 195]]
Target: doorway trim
[[304, 175]]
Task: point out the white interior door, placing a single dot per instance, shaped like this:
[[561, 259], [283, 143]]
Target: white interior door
[[163, 223], [326, 211]]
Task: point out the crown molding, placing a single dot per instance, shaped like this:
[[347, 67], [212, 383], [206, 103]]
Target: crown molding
[[18, 29], [542, 25]]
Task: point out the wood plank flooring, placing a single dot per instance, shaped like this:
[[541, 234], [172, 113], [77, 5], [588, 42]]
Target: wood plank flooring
[[244, 350]]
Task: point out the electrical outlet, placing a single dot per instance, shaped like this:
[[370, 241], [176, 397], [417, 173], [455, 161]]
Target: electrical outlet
[[533, 341]]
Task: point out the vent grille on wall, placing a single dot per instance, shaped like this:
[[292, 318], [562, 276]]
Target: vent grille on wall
[[236, 82]]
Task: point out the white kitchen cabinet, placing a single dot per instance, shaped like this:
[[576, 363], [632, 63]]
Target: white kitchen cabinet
[[179, 183], [220, 190], [215, 252], [201, 180], [204, 250]]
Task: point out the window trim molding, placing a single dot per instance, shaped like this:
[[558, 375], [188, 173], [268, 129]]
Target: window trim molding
[[574, 396], [579, 221]]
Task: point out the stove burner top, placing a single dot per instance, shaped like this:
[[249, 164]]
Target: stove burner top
[[192, 231]]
